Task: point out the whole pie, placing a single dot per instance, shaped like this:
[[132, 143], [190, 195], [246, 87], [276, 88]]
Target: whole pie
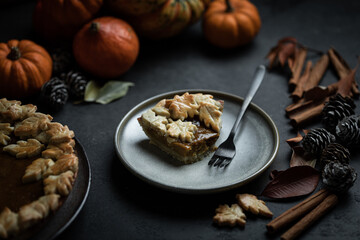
[[38, 166], [186, 126]]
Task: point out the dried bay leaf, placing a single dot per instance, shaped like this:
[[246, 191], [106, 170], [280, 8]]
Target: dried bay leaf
[[293, 182], [91, 91], [107, 93]]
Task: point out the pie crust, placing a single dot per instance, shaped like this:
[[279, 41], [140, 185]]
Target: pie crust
[[38, 166], [186, 126]]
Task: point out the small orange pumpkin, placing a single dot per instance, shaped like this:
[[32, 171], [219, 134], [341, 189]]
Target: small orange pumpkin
[[231, 23], [61, 19], [106, 47], [24, 68]]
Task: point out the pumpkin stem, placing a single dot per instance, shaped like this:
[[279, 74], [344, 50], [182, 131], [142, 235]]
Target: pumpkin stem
[[229, 7], [14, 54], [94, 27]]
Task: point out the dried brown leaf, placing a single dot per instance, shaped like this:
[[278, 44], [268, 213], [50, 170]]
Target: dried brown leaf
[[300, 158], [293, 182], [282, 52], [345, 85]]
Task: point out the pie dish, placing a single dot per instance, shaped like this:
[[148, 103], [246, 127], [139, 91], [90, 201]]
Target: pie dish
[[38, 166], [186, 127]]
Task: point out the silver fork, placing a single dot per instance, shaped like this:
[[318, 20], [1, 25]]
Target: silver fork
[[226, 151]]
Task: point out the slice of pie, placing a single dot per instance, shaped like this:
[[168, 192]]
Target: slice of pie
[[38, 166], [186, 126]]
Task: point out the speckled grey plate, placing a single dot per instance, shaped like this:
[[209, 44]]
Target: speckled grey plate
[[257, 143]]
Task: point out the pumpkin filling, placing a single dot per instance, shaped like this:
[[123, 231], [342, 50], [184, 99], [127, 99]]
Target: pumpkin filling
[[186, 127], [13, 192]]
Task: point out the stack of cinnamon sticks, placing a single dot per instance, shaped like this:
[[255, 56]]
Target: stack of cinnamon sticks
[[308, 97], [305, 213]]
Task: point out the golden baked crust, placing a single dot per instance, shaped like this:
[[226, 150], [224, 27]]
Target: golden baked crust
[[32, 136], [186, 127]]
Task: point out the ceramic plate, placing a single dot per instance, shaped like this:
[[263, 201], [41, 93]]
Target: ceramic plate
[[257, 143]]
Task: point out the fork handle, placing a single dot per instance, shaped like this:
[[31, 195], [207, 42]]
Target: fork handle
[[257, 79]]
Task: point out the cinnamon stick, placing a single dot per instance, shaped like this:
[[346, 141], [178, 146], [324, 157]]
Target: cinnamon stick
[[324, 207], [297, 68], [307, 115], [317, 72], [296, 212], [300, 82]]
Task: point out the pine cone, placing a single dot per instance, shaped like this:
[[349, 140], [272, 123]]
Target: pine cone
[[348, 131], [76, 82], [335, 152], [338, 177], [55, 93], [62, 61], [316, 140], [336, 109]]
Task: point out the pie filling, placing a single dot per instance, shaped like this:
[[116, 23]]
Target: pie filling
[[187, 132]]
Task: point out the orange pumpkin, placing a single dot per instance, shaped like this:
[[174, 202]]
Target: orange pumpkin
[[231, 23], [106, 47], [24, 68], [164, 19], [61, 19]]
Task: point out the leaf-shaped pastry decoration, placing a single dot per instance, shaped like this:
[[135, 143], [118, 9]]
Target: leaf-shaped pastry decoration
[[33, 125], [210, 115], [107, 93], [293, 182], [182, 107], [229, 216], [36, 169], [23, 149], [59, 184], [5, 130], [251, 203], [184, 130]]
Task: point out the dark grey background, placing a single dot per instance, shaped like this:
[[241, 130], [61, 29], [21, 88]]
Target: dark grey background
[[119, 205]]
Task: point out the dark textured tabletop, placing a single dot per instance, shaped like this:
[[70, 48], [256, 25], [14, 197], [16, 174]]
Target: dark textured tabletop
[[121, 206]]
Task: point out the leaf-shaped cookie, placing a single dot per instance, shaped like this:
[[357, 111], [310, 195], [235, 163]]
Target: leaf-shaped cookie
[[5, 130], [250, 203], [23, 149], [210, 115], [229, 216]]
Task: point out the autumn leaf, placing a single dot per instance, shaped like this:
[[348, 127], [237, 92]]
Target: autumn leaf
[[299, 157], [345, 85], [282, 52], [293, 182], [229, 216]]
